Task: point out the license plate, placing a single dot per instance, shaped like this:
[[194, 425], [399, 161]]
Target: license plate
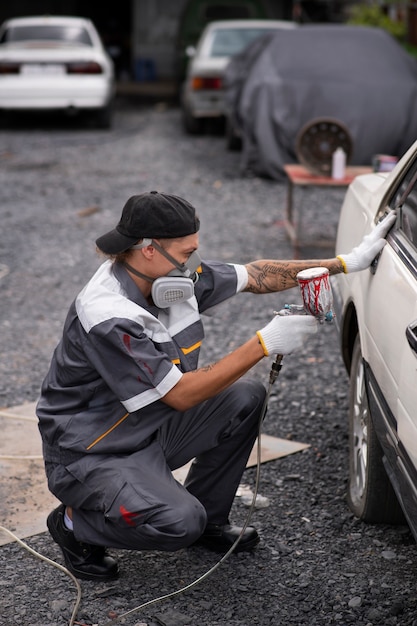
[[43, 69]]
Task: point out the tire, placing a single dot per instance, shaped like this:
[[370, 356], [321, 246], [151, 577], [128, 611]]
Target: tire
[[103, 117], [192, 125], [370, 496], [233, 141], [4, 119]]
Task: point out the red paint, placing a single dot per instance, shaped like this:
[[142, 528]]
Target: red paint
[[128, 516], [126, 341], [146, 366], [315, 292]]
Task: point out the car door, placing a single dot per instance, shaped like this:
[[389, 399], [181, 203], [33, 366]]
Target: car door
[[404, 243], [387, 307]]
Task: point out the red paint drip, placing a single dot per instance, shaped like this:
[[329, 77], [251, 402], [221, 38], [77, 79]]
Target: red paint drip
[[126, 341], [128, 516], [146, 366], [314, 291]]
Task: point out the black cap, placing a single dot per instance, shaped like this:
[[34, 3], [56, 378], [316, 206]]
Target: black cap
[[150, 215]]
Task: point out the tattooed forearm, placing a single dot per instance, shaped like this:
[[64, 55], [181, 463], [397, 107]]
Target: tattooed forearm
[[271, 276]]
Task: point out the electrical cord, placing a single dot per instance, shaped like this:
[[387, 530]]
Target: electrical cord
[[275, 369], [54, 564], [276, 366]]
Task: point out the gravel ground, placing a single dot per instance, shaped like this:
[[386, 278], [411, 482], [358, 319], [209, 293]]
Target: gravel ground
[[62, 185]]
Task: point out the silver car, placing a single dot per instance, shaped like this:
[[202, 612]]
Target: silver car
[[55, 63], [376, 313], [202, 92]]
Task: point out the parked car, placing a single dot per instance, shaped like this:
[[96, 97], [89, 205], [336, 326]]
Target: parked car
[[202, 94], [55, 63], [359, 76], [376, 315]]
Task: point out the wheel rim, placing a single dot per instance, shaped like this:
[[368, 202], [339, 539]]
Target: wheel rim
[[360, 412]]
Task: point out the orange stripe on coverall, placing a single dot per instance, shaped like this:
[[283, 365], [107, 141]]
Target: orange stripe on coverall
[[122, 419], [192, 348]]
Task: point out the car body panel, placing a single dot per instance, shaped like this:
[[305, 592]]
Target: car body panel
[[43, 79], [407, 422], [381, 304]]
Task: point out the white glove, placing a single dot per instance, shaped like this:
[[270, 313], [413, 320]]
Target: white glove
[[284, 334], [362, 256]]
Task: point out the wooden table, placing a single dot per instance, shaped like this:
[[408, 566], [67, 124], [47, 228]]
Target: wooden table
[[298, 175]]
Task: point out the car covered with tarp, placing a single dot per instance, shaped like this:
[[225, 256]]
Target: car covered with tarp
[[360, 76]]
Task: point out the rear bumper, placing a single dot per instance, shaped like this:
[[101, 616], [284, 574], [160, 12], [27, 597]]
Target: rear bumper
[[206, 104], [61, 95]]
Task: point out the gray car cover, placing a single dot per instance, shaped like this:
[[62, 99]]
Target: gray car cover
[[358, 75]]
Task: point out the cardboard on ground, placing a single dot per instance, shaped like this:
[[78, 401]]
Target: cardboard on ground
[[24, 497]]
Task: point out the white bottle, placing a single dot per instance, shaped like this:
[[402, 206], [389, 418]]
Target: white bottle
[[338, 164]]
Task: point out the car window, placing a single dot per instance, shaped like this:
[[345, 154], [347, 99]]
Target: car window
[[405, 199], [227, 42], [69, 34]]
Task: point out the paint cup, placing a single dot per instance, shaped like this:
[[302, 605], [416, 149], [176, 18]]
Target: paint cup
[[316, 292]]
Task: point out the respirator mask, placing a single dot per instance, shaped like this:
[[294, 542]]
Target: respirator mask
[[178, 285]]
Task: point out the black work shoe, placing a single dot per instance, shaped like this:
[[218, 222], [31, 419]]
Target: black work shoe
[[221, 538], [83, 560]]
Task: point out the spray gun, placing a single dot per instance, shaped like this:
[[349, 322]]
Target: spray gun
[[317, 298]]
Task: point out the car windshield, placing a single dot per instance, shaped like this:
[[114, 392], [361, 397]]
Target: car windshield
[[227, 42], [69, 34]]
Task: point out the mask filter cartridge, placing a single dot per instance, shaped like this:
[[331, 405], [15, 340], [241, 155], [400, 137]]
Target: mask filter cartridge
[[167, 291]]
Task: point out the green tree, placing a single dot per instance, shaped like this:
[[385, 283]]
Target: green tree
[[374, 15]]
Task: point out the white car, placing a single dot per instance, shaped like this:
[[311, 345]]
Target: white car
[[202, 92], [376, 313], [55, 63]]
